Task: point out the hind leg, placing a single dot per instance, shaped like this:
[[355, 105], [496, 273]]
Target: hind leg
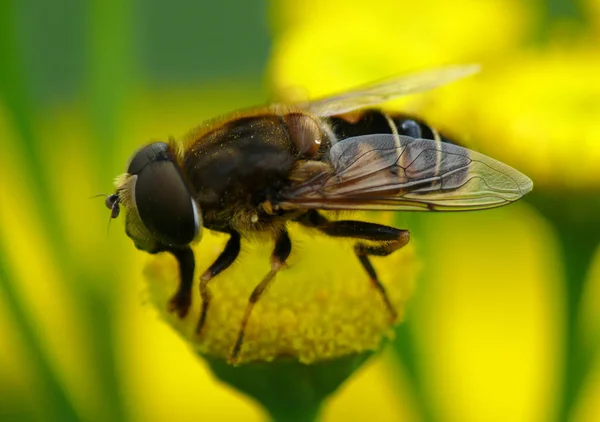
[[383, 241]]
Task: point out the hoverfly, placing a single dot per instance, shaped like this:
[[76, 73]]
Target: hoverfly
[[259, 170]]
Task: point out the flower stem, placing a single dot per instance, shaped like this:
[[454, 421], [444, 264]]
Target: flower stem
[[289, 390], [555, 13], [55, 400], [408, 354], [308, 414], [577, 229]]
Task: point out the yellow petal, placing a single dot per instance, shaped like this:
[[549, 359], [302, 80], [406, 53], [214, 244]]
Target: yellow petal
[[540, 112], [335, 45]]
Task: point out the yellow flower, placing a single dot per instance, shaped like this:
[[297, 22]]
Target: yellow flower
[[318, 322], [539, 111], [321, 306], [335, 45]]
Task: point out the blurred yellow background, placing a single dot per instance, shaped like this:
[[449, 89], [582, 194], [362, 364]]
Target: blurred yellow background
[[82, 84]]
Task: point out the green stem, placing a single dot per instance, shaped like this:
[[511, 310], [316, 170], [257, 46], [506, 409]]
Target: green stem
[[17, 99], [55, 401], [563, 9], [308, 414], [406, 348], [15, 88], [110, 66], [553, 12], [289, 390], [575, 219], [406, 344]]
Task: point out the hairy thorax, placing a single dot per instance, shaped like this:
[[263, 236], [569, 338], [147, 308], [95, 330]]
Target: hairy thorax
[[236, 169]]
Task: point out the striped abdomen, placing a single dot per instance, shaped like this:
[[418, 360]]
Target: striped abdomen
[[374, 121]]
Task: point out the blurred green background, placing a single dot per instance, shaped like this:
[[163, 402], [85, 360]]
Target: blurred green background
[[504, 325]]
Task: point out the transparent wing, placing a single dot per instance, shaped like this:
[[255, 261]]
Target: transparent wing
[[386, 90], [388, 172]]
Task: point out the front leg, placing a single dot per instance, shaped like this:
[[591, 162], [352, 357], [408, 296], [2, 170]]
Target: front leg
[[181, 301]]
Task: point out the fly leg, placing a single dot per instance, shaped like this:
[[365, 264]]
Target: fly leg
[[223, 261], [181, 301], [384, 240], [283, 247]]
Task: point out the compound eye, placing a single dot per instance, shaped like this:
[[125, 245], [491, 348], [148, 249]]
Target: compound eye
[[165, 204], [156, 151]]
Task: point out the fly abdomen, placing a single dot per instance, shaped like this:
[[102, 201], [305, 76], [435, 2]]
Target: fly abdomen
[[373, 121]]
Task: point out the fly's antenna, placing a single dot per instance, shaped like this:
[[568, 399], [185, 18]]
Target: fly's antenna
[[112, 203]]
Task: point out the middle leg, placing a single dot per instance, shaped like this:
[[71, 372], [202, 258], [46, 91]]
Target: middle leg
[[283, 247], [223, 261]]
